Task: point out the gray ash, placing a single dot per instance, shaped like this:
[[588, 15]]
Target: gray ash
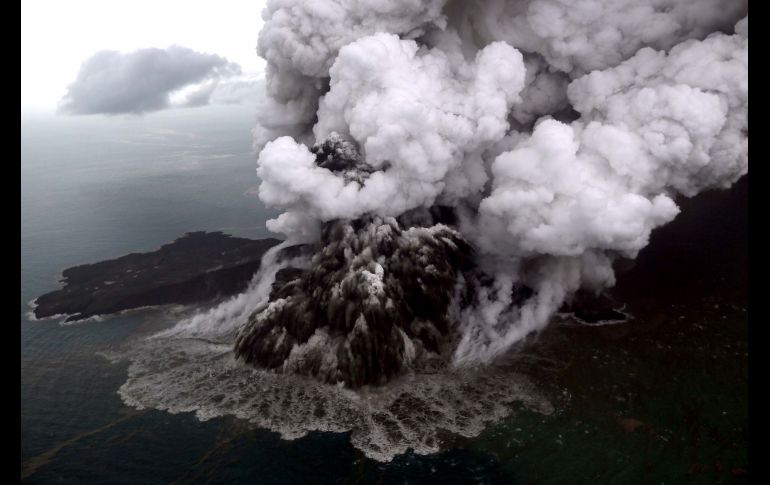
[[595, 309], [340, 155], [374, 299]]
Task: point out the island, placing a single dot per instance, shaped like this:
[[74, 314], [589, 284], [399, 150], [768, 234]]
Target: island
[[199, 266]]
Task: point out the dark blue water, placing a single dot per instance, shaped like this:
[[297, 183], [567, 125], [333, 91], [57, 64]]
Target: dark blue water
[[662, 400]]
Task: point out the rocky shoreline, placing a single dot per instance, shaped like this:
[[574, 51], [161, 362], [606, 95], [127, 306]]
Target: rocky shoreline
[[198, 266]]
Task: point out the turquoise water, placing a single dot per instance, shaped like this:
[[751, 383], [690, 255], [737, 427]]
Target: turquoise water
[[660, 400]]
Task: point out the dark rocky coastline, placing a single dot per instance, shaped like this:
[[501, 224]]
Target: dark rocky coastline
[[198, 266]]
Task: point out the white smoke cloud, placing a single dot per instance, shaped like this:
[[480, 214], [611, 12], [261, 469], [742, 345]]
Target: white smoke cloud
[[145, 80], [579, 36], [384, 93], [300, 40], [651, 127], [560, 131]]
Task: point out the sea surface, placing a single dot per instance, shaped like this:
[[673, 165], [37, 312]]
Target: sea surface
[[662, 398]]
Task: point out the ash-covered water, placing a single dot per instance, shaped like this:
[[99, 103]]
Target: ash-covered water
[[418, 411], [192, 366]]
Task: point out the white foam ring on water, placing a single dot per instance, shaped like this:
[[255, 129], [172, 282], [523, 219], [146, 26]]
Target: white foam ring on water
[[192, 368], [193, 375]]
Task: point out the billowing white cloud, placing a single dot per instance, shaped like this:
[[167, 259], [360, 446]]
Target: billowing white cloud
[[579, 36], [112, 82], [561, 132], [384, 93], [300, 41]]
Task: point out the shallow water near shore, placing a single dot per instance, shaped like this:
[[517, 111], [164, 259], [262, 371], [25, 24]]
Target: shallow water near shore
[[662, 397]]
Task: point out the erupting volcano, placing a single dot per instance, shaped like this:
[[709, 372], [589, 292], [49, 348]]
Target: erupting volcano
[[456, 171]]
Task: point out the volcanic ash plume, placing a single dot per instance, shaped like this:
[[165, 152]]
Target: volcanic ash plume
[[357, 314], [459, 169]]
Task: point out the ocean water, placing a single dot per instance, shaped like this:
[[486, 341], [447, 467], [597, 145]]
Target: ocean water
[[662, 398]]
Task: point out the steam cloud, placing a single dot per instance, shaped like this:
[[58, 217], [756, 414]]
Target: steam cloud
[[559, 132], [111, 82]]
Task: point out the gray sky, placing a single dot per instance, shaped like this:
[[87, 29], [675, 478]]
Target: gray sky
[[57, 37]]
